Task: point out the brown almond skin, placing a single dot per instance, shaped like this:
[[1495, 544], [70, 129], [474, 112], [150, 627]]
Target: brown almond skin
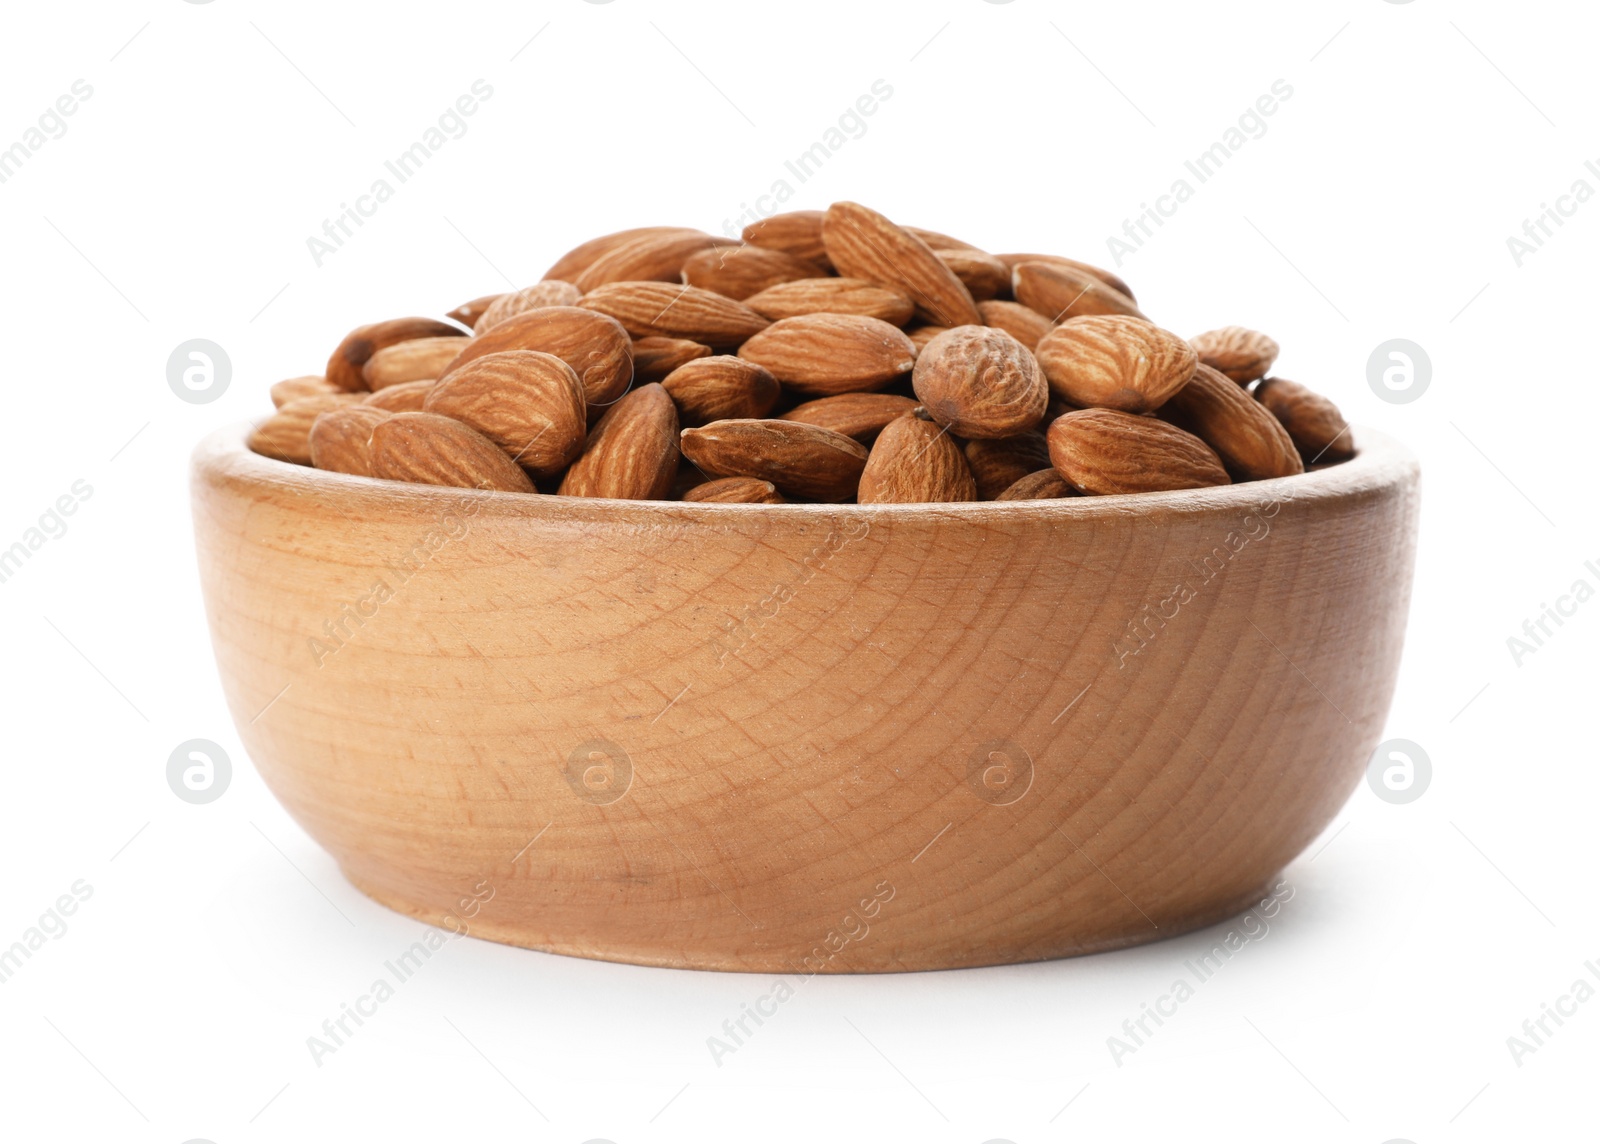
[[984, 275], [1238, 354], [735, 490], [294, 388], [1028, 326], [861, 416], [407, 397], [1313, 422], [801, 460], [571, 265], [1243, 432], [425, 448], [632, 453], [286, 435], [937, 240], [529, 403], [550, 292], [655, 358], [980, 382], [798, 233], [419, 359], [999, 464], [914, 461], [1046, 484], [717, 388], [739, 271], [921, 335], [651, 258], [468, 313], [832, 296], [1106, 276], [864, 244], [341, 439], [668, 310], [819, 355], [597, 348], [1103, 452], [1115, 362], [1059, 292], [344, 366]]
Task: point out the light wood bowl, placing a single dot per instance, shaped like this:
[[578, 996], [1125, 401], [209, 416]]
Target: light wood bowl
[[804, 738]]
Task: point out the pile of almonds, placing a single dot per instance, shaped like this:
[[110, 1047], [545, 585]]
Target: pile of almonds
[[828, 356]]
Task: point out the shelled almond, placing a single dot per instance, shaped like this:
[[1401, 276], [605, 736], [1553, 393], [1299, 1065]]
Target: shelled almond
[[826, 355]]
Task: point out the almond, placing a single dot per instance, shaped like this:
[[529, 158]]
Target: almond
[[344, 367], [468, 313], [663, 309], [801, 460], [980, 382], [340, 439], [1106, 276], [572, 264], [1313, 422], [1046, 484], [428, 449], [864, 244], [1115, 362], [596, 347], [832, 296], [739, 271], [654, 358], [1103, 451], [1252, 444], [984, 275], [550, 292], [293, 388], [650, 258], [914, 461], [823, 354], [1028, 326], [407, 397], [632, 454], [998, 464], [798, 233], [531, 404], [1237, 353], [921, 335], [1059, 292], [720, 387], [416, 360], [735, 490], [858, 415], [937, 240], [286, 435]]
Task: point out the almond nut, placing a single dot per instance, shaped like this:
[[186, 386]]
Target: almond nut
[[823, 354], [864, 244], [649, 258], [1106, 276], [286, 435], [858, 415], [654, 358], [1237, 353], [720, 387], [661, 309], [550, 292], [832, 296], [407, 397], [1115, 363], [468, 313], [632, 453], [1046, 484], [914, 461], [739, 271], [529, 403], [1103, 451], [1313, 422], [596, 347], [571, 265], [984, 275], [1060, 292], [980, 382], [801, 460], [735, 490], [794, 232], [340, 439], [1028, 326], [417, 360], [1252, 444], [293, 388], [344, 366], [998, 464], [428, 449]]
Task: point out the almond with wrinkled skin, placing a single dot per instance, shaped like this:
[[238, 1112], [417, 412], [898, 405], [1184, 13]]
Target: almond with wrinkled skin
[[823, 354], [739, 271], [735, 490], [574, 262], [1252, 444], [653, 258], [667, 310], [998, 464], [801, 460], [1059, 292], [294, 388], [1313, 423], [468, 313], [984, 275], [1106, 276], [654, 358], [1103, 451], [407, 397], [1046, 484], [344, 366], [1238, 354], [864, 244], [596, 346], [531, 404], [341, 439], [832, 296], [416, 360], [720, 387], [915, 462], [1028, 326], [858, 415], [921, 335], [428, 449], [980, 382], [1115, 362], [632, 454], [286, 435], [550, 292], [798, 233]]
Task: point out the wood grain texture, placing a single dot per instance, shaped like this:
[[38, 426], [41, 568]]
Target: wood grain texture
[[821, 706]]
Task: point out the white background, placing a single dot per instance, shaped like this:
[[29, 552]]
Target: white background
[[177, 205]]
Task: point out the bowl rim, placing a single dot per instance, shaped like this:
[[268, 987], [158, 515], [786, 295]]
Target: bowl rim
[[223, 458]]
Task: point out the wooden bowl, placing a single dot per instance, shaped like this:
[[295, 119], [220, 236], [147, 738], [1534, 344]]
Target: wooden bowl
[[808, 738]]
